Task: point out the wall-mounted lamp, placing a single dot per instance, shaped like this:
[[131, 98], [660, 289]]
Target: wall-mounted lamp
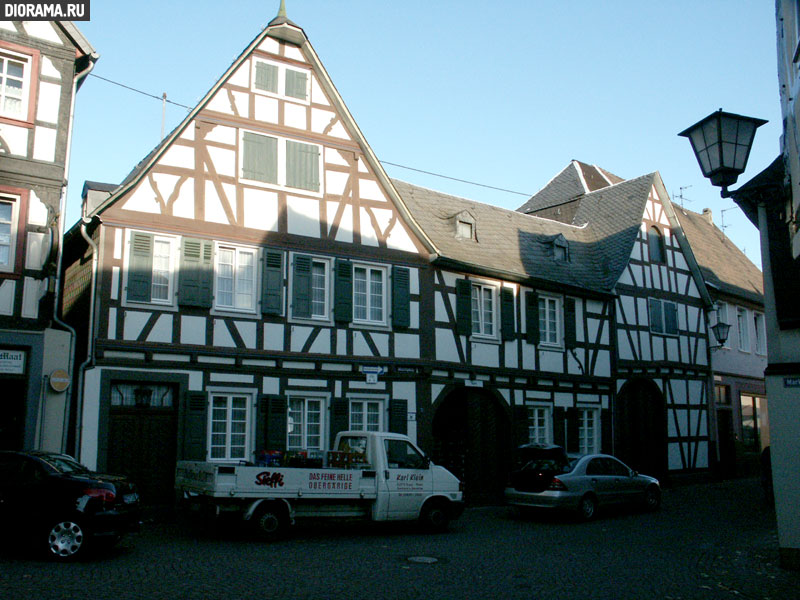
[[721, 144]]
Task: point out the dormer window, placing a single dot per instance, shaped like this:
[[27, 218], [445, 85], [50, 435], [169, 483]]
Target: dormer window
[[464, 224], [561, 249]]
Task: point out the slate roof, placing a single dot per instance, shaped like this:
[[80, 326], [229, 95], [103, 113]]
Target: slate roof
[[571, 183], [509, 242], [723, 265]]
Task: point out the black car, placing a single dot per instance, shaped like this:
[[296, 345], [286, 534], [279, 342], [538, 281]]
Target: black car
[[59, 506]]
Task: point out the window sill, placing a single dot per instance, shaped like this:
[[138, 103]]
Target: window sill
[[231, 312]]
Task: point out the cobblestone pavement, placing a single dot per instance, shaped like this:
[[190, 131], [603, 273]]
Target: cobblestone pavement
[[709, 541]]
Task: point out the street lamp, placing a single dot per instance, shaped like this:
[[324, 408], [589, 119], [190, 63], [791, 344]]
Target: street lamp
[[721, 144], [720, 330]]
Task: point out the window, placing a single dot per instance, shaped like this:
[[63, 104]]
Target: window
[[723, 395], [464, 230], [278, 79], [760, 328], [549, 321], [230, 417], [483, 310], [15, 72], [402, 455], [561, 249], [369, 294], [743, 329], [235, 279], [365, 415], [539, 424], [655, 246], [151, 268], [142, 395], [304, 424], [310, 287], [9, 206], [280, 162], [753, 421], [587, 430], [663, 317]]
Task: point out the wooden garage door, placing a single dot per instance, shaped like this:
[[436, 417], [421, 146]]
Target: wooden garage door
[[142, 439]]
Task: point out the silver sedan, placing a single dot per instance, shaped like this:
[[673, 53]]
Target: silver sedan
[[581, 483]]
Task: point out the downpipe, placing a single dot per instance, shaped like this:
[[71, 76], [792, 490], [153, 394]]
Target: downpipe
[[60, 251], [90, 338]]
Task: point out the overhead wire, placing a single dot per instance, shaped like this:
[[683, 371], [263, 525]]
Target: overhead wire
[[384, 162]]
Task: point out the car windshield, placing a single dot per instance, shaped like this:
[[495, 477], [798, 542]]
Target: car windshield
[[64, 464]]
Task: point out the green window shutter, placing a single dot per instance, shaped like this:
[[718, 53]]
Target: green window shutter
[[275, 429], [670, 317], [302, 166], [463, 307], [398, 416], [343, 292], [570, 331], [266, 77], [194, 425], [140, 267], [559, 431], [507, 313], [656, 320], [532, 318], [296, 84], [272, 283], [520, 414], [196, 280], [301, 287], [573, 430], [260, 157], [340, 417], [401, 297], [606, 431]]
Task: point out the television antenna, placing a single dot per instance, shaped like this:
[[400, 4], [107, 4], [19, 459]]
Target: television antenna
[[722, 218], [680, 195]]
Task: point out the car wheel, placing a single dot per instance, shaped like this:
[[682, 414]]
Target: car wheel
[[270, 522], [652, 498], [65, 540], [435, 516], [587, 507]]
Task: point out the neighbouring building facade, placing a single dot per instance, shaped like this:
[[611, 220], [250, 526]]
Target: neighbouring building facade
[[737, 289], [42, 64], [257, 282]]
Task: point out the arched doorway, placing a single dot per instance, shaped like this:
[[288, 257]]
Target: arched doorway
[[640, 429], [472, 438]]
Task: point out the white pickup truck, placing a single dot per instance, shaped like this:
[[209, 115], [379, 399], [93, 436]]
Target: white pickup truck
[[370, 475]]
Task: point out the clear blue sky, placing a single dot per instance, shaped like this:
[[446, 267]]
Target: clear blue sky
[[503, 93]]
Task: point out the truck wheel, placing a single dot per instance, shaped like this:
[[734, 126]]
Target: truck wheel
[[435, 516], [270, 522]]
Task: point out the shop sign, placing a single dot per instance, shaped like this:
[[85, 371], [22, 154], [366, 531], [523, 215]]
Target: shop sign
[[12, 362], [59, 380], [791, 382]]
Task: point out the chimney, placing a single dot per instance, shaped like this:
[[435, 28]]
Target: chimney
[[707, 215]]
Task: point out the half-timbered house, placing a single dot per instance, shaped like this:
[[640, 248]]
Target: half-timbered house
[[661, 367], [42, 65], [254, 283], [736, 286]]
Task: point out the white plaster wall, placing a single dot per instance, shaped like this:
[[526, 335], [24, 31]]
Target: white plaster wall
[[193, 330], [15, 138], [49, 101], [44, 145]]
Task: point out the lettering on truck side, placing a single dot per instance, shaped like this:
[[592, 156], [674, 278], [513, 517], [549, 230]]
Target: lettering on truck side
[[269, 479]]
